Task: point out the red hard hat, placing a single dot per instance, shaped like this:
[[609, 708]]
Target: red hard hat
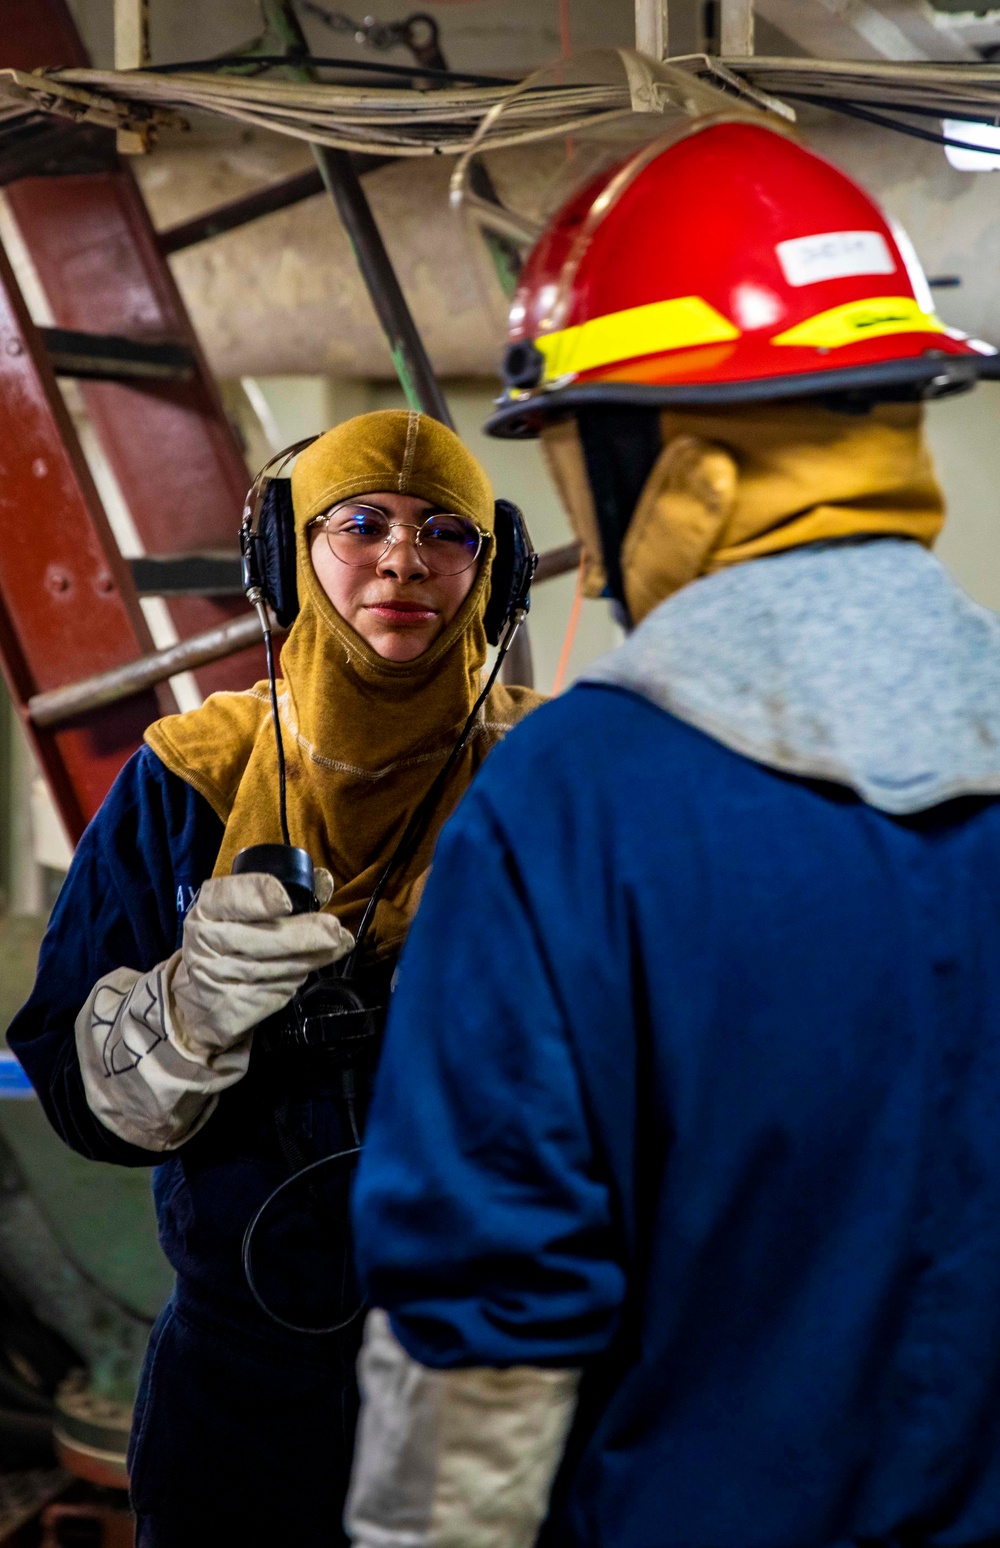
[[730, 265]]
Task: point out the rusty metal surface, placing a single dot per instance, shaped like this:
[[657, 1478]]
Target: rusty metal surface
[[169, 445], [67, 603]]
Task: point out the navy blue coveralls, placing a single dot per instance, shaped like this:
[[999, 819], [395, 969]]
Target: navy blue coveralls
[[720, 1124], [242, 1431]]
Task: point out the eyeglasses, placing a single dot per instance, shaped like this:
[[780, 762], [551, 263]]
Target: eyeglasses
[[360, 534]]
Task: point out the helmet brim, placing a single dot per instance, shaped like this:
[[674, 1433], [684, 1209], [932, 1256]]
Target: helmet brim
[[926, 376]]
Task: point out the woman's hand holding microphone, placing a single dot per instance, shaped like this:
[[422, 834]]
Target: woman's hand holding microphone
[[155, 1049]]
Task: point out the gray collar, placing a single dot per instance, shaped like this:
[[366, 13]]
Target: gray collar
[[862, 663]]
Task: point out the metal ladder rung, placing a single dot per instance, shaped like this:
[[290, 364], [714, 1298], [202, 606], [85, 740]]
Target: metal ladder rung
[[107, 357], [191, 575]]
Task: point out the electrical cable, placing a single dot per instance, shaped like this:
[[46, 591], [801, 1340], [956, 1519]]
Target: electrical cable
[[352, 1119], [413, 832], [270, 61], [854, 110], [411, 836], [307, 1174], [565, 46], [276, 722], [570, 635]]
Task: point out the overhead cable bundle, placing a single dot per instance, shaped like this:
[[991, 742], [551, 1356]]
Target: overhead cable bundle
[[380, 117]]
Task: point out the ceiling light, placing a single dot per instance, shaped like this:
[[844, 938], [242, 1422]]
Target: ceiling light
[[986, 135]]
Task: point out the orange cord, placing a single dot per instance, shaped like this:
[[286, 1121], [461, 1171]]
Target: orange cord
[[570, 635], [564, 41]]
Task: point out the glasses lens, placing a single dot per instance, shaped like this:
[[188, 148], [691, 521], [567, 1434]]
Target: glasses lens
[[449, 544], [357, 534]]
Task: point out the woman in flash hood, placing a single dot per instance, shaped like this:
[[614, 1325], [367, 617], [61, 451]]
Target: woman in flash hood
[[159, 962]]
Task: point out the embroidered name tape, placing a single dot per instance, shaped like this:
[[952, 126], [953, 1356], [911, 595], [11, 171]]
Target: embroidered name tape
[[834, 255]]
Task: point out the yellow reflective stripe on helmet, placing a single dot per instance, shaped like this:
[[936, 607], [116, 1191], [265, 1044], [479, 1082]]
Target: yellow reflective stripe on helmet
[[856, 320], [641, 330]]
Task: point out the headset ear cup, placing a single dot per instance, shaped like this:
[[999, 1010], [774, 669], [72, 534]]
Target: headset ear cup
[[276, 551], [501, 573], [514, 561]]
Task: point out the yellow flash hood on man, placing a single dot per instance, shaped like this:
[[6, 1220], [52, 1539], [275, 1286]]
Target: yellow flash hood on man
[[364, 737], [742, 482]]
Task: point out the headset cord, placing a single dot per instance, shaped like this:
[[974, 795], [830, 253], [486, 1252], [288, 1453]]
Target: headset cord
[[417, 826], [265, 624], [308, 1175], [412, 834]]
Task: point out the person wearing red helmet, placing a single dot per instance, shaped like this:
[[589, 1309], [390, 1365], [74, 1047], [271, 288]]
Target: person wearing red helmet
[[680, 1205], [732, 267]]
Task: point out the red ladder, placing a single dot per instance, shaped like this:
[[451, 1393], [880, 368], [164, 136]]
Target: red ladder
[[68, 605]]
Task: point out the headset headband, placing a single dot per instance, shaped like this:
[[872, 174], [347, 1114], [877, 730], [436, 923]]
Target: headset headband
[[257, 490]]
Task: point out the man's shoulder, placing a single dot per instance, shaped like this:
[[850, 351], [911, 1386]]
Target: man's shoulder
[[589, 747], [596, 721]]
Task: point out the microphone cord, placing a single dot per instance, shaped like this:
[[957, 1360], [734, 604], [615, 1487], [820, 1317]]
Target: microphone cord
[[412, 834], [265, 624], [417, 825]]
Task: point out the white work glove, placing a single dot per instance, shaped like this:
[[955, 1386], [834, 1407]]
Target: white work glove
[[156, 1049], [453, 1459], [244, 955]]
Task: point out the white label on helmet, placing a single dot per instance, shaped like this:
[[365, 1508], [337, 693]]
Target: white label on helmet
[[834, 255]]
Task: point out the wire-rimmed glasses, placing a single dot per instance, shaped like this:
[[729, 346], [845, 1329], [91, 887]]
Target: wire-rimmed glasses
[[360, 534]]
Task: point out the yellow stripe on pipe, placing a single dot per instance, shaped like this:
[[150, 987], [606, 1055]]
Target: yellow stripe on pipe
[[641, 330], [858, 320]]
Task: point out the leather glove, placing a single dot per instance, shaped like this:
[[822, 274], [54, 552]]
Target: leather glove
[[156, 1049], [243, 957]]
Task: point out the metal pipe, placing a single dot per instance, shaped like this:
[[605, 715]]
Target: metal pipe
[[337, 168], [557, 561], [736, 29], [266, 201], [651, 36], [58, 705], [239, 212], [519, 667], [413, 366]]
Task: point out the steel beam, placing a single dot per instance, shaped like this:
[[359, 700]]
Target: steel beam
[[206, 575], [131, 34], [66, 599], [36, 146], [240, 212], [651, 30], [736, 29], [557, 561], [413, 367]]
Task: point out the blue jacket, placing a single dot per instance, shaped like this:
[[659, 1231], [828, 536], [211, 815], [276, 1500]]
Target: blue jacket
[[692, 1079], [135, 873]]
